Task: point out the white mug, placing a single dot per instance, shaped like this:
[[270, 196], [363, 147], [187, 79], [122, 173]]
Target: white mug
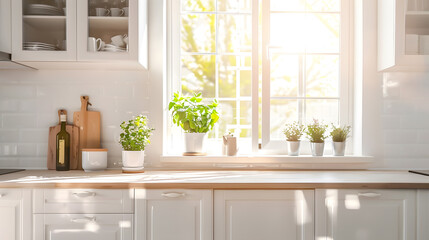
[[116, 12], [125, 11], [102, 12], [94, 45], [118, 40]]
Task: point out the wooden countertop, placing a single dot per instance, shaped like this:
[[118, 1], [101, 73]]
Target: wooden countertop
[[114, 179]]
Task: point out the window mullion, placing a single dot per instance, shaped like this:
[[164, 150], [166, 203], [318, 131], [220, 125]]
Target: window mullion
[[265, 73]]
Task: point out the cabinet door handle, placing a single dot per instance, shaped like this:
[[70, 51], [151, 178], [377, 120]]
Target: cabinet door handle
[[173, 195], [83, 220], [84, 194], [369, 194]]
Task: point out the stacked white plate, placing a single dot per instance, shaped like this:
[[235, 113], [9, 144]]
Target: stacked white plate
[[39, 46], [43, 9], [113, 48]]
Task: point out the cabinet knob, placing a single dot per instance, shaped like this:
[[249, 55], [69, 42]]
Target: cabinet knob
[[369, 194], [2, 195], [173, 195], [83, 220], [84, 194]]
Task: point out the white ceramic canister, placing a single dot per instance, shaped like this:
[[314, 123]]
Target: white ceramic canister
[[94, 159]]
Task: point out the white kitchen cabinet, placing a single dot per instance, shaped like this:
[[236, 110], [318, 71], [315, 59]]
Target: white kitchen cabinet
[[264, 214], [396, 51], [365, 214], [83, 226], [66, 27], [422, 214], [5, 24], [174, 214], [15, 214]]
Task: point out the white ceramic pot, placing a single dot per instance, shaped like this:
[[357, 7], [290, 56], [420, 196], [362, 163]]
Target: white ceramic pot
[[317, 148], [94, 159], [339, 148], [132, 159], [194, 142], [293, 148]]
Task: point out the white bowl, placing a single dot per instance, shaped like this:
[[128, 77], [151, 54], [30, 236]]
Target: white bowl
[[94, 159]]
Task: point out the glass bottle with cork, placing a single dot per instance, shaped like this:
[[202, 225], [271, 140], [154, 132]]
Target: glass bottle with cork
[[63, 145]]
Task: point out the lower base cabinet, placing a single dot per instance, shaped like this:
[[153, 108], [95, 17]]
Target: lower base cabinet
[[264, 214], [174, 214], [83, 226], [423, 214], [15, 214], [365, 214]]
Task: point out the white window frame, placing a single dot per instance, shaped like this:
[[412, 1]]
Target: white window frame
[[346, 76]]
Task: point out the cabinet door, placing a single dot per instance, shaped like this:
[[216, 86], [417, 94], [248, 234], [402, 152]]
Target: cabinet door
[[366, 214], [108, 30], [174, 214], [44, 30], [83, 226], [423, 214], [264, 214], [15, 214]]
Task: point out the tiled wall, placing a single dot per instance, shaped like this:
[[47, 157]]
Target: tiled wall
[[405, 120], [29, 102]]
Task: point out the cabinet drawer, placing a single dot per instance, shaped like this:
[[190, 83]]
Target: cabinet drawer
[[83, 226], [83, 201], [10, 194]]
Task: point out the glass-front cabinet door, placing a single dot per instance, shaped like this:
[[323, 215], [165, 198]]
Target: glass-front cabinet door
[[107, 30], [44, 30]]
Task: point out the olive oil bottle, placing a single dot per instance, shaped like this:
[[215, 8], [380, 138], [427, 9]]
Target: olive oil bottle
[[63, 146]]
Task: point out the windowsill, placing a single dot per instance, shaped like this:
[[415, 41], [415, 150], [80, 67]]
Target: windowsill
[[271, 161]]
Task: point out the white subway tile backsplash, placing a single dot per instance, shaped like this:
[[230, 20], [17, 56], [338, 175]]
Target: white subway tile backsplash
[[400, 137], [29, 103]]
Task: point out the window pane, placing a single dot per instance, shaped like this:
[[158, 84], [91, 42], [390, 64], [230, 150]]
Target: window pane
[[322, 75], [281, 112], [198, 5], [322, 109], [284, 75], [235, 33], [288, 31], [323, 33], [323, 5], [198, 74], [287, 5], [227, 121], [245, 83], [235, 5], [246, 119], [198, 33]]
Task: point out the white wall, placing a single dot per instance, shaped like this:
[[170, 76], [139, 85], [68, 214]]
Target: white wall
[[29, 101]]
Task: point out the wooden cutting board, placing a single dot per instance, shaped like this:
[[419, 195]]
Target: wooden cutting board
[[52, 144], [89, 124]]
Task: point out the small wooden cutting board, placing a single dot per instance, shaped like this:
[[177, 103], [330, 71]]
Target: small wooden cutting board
[[89, 126], [52, 145]]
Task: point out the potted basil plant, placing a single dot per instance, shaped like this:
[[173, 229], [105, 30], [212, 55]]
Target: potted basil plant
[[339, 136], [134, 139], [293, 132], [316, 134], [195, 118]]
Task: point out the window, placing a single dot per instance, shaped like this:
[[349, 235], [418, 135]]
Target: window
[[270, 61]]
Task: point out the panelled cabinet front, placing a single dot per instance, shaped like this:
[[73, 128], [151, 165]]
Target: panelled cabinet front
[[15, 214], [264, 214], [174, 214], [365, 214]]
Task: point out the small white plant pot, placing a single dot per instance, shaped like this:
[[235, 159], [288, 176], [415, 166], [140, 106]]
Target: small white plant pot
[[293, 148], [339, 148], [317, 148], [194, 142], [132, 159]]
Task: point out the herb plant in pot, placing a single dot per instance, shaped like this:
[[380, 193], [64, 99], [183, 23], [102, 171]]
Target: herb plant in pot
[[339, 136], [134, 139], [293, 133], [316, 134], [195, 118]]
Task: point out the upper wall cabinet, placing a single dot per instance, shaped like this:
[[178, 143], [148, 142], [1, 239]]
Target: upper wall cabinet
[[80, 33], [403, 35]]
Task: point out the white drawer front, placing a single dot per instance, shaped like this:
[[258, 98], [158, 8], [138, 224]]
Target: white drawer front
[[83, 226], [10, 194], [83, 201]]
